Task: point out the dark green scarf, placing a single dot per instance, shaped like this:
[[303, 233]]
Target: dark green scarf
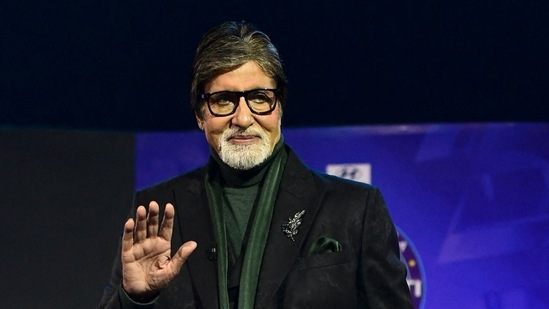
[[261, 222]]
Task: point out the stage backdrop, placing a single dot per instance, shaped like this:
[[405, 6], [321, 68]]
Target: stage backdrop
[[63, 199], [471, 201]]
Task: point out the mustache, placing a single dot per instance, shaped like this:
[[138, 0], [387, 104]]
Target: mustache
[[230, 133]]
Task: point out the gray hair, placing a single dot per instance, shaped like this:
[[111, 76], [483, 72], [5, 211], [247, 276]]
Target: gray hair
[[227, 47]]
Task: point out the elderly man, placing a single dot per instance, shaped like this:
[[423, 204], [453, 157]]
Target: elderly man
[[254, 228]]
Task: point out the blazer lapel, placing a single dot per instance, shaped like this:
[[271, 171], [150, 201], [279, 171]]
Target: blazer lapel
[[297, 192], [195, 223]]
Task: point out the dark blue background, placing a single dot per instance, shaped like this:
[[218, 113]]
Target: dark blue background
[[124, 65], [472, 198]]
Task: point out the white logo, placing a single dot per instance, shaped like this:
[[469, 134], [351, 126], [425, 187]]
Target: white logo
[[361, 172]]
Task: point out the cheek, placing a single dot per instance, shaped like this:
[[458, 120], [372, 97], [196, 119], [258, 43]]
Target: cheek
[[272, 127], [213, 132], [275, 122]]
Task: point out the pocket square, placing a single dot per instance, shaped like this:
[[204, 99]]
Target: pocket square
[[324, 245]]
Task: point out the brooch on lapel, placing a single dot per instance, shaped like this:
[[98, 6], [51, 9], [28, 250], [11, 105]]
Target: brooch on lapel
[[290, 227]]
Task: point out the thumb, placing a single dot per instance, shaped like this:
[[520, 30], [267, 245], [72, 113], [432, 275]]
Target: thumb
[[183, 253]]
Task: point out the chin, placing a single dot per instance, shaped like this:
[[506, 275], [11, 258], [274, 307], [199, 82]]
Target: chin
[[244, 157]]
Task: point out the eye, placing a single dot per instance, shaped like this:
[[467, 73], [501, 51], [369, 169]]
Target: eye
[[222, 99], [261, 96]]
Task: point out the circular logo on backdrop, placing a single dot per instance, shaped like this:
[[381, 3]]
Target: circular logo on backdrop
[[416, 274]]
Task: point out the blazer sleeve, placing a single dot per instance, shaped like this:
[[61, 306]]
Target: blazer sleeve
[[113, 295], [179, 293], [382, 279]]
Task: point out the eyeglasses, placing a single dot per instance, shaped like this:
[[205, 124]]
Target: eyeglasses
[[225, 103]]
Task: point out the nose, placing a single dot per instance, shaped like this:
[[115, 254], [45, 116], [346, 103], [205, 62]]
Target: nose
[[243, 116]]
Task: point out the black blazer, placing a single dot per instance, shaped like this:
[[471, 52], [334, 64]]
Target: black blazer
[[365, 272]]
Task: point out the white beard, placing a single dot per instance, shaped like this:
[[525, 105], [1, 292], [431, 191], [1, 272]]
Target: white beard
[[244, 157]]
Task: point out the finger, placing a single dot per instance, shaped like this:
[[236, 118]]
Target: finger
[[140, 224], [167, 222], [152, 219], [127, 237], [182, 254]]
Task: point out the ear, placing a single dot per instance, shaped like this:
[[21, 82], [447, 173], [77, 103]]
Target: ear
[[199, 121]]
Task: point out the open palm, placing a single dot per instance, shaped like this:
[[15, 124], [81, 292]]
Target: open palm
[[147, 264]]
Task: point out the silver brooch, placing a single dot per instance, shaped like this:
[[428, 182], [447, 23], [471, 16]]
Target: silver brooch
[[290, 228]]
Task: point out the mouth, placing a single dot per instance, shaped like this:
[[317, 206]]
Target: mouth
[[243, 139]]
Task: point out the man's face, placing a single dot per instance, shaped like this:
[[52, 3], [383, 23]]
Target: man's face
[[242, 140]]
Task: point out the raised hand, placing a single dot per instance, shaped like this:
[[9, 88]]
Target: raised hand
[[147, 264]]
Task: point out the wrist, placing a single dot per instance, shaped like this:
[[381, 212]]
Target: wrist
[[140, 298]]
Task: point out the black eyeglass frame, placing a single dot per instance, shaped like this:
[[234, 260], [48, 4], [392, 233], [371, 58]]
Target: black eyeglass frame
[[240, 94]]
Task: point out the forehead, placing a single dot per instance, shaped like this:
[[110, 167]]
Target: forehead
[[246, 77]]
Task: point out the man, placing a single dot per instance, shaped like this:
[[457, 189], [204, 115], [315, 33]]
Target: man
[[254, 228]]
